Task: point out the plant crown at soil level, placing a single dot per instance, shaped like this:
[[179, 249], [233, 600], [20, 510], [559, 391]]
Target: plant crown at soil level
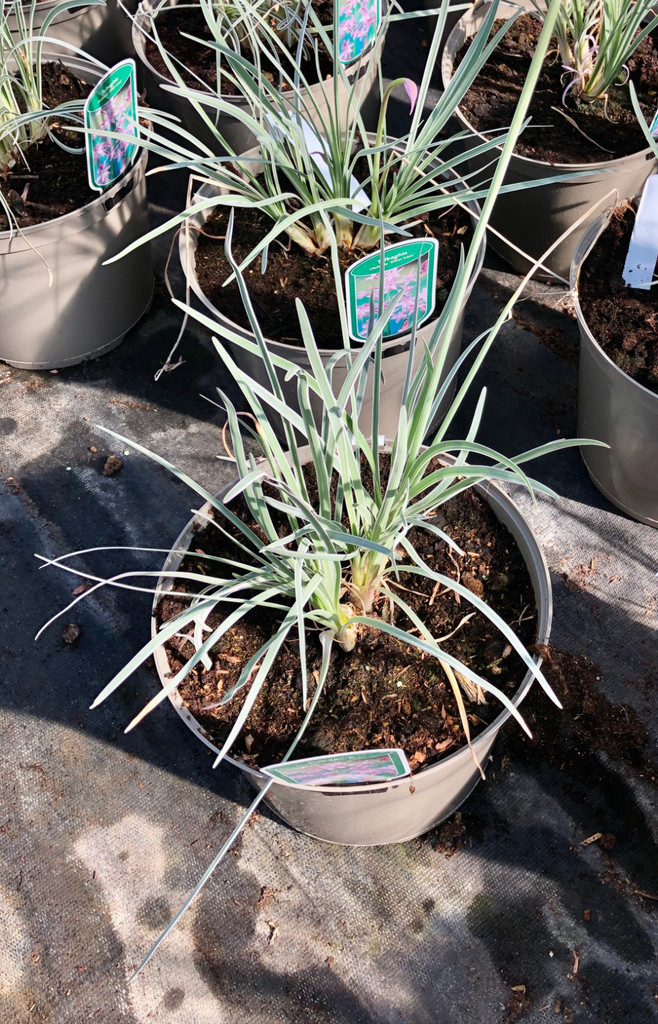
[[595, 39]]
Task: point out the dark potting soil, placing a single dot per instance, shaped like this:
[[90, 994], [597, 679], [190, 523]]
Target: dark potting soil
[[54, 182], [491, 101], [200, 62], [624, 321], [291, 274], [384, 693]]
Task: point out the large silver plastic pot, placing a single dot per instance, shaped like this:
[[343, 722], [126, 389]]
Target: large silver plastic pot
[[88, 308], [395, 351], [388, 812], [614, 408], [102, 31], [532, 219], [237, 134]]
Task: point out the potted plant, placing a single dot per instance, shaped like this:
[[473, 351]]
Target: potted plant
[[332, 542], [584, 118], [182, 44], [615, 302], [333, 196], [320, 548], [59, 304]]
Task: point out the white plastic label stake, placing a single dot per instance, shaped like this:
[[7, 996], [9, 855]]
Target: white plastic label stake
[[643, 248], [343, 769], [315, 151]]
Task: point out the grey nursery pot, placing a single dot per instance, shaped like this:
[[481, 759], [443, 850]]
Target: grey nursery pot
[[87, 308], [614, 408]]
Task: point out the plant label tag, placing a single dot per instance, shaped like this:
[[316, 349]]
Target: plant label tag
[[653, 128], [362, 766], [316, 153], [111, 107], [409, 269], [643, 247], [357, 26]]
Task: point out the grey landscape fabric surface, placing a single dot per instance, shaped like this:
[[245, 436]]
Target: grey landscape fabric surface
[[102, 835]]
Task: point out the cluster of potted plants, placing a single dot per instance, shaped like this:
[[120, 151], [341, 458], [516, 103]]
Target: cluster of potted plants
[[349, 597]]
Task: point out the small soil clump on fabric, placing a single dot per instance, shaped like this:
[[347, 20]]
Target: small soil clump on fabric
[[197, 63], [491, 101], [384, 693], [54, 182], [624, 321], [291, 274]]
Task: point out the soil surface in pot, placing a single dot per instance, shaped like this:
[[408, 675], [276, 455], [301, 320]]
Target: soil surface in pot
[[291, 274], [199, 62], [54, 182], [384, 693], [624, 321], [491, 102]]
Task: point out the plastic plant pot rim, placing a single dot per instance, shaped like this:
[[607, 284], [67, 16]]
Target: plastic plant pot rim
[[585, 246], [45, 6], [187, 249], [447, 64], [544, 602], [146, 12], [95, 207]]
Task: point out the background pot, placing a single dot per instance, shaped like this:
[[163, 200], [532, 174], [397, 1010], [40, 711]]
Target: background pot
[[103, 32], [395, 351], [533, 219], [88, 307], [453, 16], [614, 408], [238, 136], [373, 815]]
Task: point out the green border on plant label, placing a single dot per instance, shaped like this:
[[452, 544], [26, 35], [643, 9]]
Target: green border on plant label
[[360, 766], [111, 107], [410, 269]]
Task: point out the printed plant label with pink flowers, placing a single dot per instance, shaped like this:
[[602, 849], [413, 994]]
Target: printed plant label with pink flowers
[[357, 27], [111, 107], [410, 271], [358, 767]]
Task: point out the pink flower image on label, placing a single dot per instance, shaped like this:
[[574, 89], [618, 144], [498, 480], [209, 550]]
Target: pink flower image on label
[[405, 292], [358, 22]]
